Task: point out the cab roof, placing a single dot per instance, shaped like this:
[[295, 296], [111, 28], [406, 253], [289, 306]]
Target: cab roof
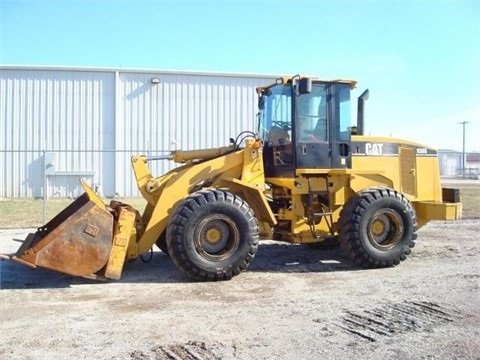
[[289, 79]]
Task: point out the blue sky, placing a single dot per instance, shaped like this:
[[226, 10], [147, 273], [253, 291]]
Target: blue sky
[[420, 59]]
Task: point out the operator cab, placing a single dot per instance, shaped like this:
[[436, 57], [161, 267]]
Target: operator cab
[[305, 124]]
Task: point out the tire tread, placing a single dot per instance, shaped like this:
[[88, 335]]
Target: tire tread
[[350, 222], [179, 220]]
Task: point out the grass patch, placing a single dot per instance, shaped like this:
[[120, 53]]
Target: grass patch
[[28, 213], [470, 196]]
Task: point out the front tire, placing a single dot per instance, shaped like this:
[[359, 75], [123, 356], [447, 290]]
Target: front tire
[[378, 228], [212, 235]]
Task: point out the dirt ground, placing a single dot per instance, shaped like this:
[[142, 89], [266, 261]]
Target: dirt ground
[[294, 302]]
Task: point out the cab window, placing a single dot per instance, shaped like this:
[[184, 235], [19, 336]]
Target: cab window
[[344, 112], [312, 115]]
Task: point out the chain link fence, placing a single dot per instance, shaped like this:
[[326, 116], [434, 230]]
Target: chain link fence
[[37, 184]]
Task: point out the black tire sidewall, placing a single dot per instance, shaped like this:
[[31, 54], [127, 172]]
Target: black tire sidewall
[[243, 228], [181, 231], [355, 217], [403, 245]]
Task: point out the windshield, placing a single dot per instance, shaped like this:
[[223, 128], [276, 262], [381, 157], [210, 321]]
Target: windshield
[[275, 117]]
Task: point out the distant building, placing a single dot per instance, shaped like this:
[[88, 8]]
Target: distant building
[[472, 164], [473, 160], [450, 163]]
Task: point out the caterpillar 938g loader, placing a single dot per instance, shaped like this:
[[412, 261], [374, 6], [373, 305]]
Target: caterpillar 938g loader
[[306, 176]]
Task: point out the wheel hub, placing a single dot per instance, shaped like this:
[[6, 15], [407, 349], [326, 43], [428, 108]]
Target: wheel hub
[[385, 229], [378, 228], [216, 237], [213, 236]]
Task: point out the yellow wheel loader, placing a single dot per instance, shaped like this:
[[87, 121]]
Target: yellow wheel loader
[[306, 175]]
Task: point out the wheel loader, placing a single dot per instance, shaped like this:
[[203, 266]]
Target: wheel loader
[[305, 175]]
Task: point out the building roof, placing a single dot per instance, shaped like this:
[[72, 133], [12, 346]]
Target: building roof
[[134, 70]]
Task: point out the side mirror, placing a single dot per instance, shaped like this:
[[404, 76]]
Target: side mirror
[[261, 102], [304, 86]]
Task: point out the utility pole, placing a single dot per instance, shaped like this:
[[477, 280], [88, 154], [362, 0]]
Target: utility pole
[[463, 149]]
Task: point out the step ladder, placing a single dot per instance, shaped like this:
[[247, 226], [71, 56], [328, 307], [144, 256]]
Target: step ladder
[[311, 215]]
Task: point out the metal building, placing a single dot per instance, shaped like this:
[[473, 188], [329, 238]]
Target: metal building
[[450, 162], [61, 124]]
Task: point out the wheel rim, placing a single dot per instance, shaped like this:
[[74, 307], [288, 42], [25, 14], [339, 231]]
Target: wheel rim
[[216, 237], [385, 229]]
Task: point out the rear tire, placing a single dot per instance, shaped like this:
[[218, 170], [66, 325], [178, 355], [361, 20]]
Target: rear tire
[[212, 235], [378, 228]]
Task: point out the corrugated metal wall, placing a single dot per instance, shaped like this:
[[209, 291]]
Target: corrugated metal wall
[[182, 111], [88, 123], [63, 113]]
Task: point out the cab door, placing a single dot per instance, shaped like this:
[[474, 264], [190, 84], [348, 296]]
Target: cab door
[[322, 135], [341, 126]]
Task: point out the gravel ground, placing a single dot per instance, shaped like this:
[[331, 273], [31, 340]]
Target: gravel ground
[[294, 302]]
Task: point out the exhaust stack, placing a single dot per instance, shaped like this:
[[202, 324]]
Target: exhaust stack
[[360, 112]]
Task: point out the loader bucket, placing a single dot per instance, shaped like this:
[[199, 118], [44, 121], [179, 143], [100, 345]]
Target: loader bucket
[[77, 241]]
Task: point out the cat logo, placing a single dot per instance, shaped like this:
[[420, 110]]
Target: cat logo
[[373, 149]]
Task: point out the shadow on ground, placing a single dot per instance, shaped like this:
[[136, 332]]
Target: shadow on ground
[[158, 268]]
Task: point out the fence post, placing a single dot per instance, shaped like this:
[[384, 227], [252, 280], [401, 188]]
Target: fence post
[[45, 184]]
